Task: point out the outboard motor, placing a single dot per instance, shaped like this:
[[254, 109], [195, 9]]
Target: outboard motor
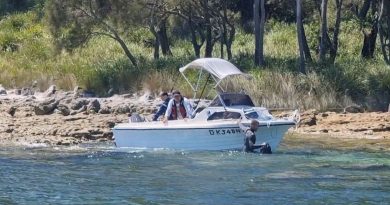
[[265, 148]]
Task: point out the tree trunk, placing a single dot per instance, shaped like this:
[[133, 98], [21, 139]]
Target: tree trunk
[[369, 42], [126, 50], [324, 30], [335, 44], [209, 37], [259, 58], [221, 48], [384, 30], [246, 11], [363, 12], [229, 43], [163, 39], [194, 40], [302, 68], [306, 48], [156, 53], [262, 28]]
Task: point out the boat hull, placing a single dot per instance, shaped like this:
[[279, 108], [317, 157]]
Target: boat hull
[[201, 137]]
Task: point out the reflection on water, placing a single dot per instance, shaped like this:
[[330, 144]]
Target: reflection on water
[[301, 172]]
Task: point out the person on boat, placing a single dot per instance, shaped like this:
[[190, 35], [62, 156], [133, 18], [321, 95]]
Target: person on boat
[[163, 107], [178, 108], [250, 138]]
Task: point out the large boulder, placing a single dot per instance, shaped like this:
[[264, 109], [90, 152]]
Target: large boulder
[[105, 110], [46, 107], [2, 90], [122, 109], [93, 106], [64, 110], [79, 103], [353, 109]]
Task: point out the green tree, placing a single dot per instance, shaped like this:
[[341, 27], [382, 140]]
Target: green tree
[[74, 22]]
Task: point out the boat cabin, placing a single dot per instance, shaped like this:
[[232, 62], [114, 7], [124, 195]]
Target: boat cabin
[[232, 99]]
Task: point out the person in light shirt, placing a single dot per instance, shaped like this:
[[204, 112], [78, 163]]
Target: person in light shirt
[[178, 108]]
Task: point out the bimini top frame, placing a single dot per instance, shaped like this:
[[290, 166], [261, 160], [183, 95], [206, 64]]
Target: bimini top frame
[[218, 69]]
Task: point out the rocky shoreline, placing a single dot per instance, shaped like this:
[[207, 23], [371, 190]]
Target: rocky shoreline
[[59, 118]]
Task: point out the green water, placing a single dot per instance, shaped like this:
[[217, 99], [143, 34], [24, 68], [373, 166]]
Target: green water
[[99, 174]]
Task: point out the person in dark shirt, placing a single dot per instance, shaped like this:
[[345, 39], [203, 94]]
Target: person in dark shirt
[[250, 138], [163, 108]]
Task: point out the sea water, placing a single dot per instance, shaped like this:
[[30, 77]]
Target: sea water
[[102, 174]]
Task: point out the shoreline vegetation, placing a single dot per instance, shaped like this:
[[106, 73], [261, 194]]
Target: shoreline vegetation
[[29, 56]]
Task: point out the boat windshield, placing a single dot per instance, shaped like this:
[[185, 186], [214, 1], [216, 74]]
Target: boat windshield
[[224, 115], [233, 99]]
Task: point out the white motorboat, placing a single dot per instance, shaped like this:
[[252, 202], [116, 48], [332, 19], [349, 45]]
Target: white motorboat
[[213, 127]]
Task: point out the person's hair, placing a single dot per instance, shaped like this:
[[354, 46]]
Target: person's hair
[[176, 92], [255, 122], [163, 94]]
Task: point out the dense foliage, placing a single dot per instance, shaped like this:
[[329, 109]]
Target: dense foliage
[[134, 45]]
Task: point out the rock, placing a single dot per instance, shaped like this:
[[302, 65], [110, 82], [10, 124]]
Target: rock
[[63, 143], [18, 92], [64, 110], [108, 135], [45, 107], [324, 130], [94, 105], [11, 111], [110, 124], [369, 132], [82, 109], [122, 109], [309, 118], [71, 118], [127, 95], [77, 92], [78, 104], [353, 109], [105, 110], [80, 134], [2, 90], [26, 91], [9, 130], [50, 91]]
